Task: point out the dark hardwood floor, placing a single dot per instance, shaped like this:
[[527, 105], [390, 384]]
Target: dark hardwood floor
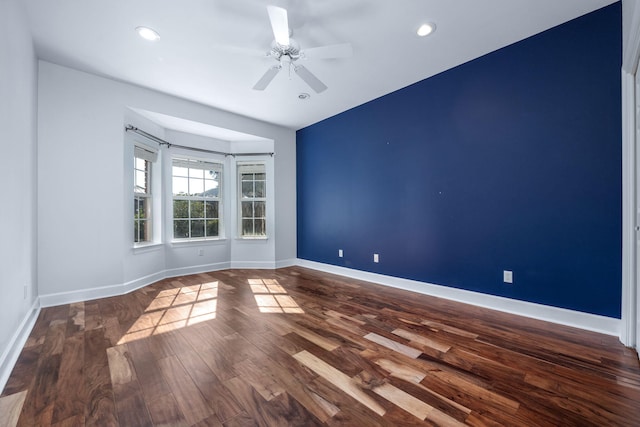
[[303, 348]]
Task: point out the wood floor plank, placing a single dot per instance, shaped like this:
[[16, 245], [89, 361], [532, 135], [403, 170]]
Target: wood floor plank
[[71, 398], [253, 403], [23, 372], [150, 378], [341, 380], [100, 408], [393, 345], [190, 401], [261, 381], [120, 366], [421, 340], [10, 408], [164, 412], [38, 405], [131, 409], [75, 421], [294, 379], [76, 319], [217, 397]]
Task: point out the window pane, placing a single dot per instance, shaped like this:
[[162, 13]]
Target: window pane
[[260, 176], [197, 209], [211, 210], [181, 229], [247, 209], [141, 211], [180, 186], [181, 209], [136, 225], [259, 210], [260, 229], [140, 182], [139, 163], [247, 189], [197, 228], [145, 236], [211, 188], [178, 171], [260, 189], [196, 173], [196, 186], [141, 230], [247, 227], [212, 228], [247, 177]]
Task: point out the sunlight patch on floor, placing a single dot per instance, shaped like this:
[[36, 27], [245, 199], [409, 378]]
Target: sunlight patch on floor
[[175, 308], [271, 297]]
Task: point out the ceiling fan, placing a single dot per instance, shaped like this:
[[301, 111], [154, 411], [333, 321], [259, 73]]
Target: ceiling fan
[[286, 51]]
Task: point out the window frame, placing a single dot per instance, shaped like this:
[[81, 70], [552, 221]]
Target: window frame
[[216, 165], [150, 157], [255, 168]]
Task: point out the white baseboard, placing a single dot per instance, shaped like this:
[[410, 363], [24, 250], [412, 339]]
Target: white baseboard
[[50, 300], [590, 322], [11, 353], [196, 269], [141, 282], [253, 265], [60, 298], [286, 263]]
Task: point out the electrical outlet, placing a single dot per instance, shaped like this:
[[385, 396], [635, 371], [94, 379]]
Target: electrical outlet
[[200, 252], [340, 254], [26, 291], [376, 258], [507, 276]]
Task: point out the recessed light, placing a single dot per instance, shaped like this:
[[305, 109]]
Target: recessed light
[[148, 33], [426, 29], [304, 96]]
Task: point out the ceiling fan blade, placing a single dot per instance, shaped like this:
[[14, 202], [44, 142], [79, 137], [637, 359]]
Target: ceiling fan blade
[[310, 79], [343, 50], [267, 77], [279, 24]]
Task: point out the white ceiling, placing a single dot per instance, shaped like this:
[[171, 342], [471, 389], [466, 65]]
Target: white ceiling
[[213, 51]]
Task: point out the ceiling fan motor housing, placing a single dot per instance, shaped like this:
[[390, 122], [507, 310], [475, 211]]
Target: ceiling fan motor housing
[[292, 50]]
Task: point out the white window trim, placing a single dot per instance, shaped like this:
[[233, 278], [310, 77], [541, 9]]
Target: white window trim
[[185, 154], [262, 168], [146, 152]]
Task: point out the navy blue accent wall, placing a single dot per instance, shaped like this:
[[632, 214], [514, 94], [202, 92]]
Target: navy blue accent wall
[[509, 162]]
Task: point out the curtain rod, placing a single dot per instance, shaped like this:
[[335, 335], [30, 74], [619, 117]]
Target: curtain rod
[[130, 128]]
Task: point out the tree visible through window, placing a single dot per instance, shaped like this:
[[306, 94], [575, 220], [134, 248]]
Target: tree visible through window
[[253, 199], [196, 199]]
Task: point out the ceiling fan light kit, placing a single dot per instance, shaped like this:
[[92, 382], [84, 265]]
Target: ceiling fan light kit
[[286, 51]]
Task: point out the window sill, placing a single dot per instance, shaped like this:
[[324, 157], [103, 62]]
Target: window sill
[[198, 242], [252, 239], [147, 247]]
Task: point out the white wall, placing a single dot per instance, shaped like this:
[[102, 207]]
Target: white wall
[[18, 69], [83, 211]]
